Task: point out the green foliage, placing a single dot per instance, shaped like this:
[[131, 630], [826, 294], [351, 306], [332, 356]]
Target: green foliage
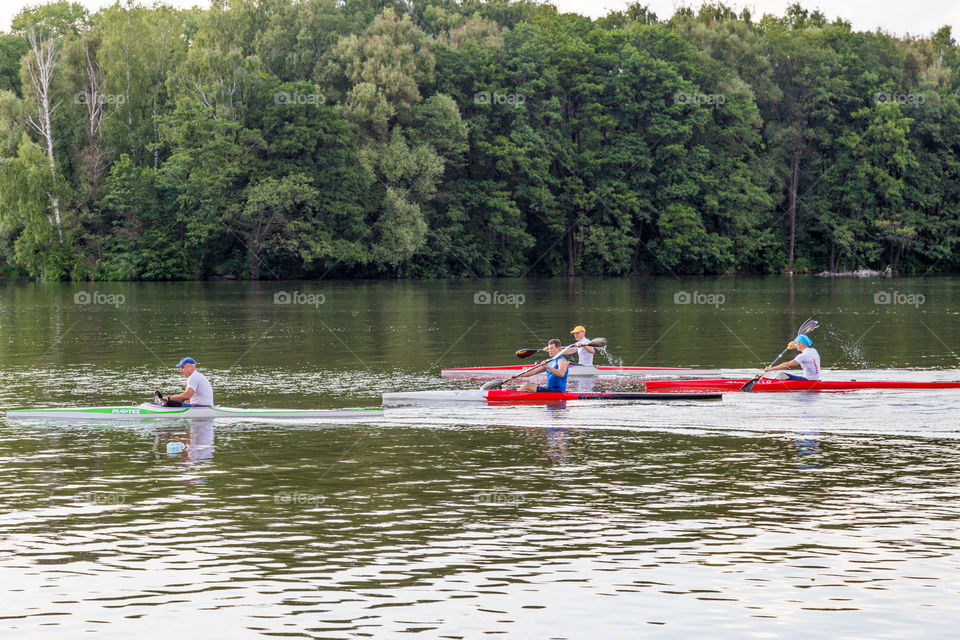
[[25, 217], [136, 237], [60, 18], [473, 138], [12, 48]]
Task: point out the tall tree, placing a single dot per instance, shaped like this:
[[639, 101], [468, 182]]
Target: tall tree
[[378, 76], [807, 73], [40, 65]]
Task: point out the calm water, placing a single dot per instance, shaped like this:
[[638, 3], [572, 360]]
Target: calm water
[[764, 515]]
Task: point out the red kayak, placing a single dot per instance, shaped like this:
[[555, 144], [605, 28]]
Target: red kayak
[[769, 384], [509, 396]]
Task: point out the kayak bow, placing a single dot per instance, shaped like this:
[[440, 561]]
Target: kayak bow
[[773, 385], [508, 396], [152, 411], [583, 370]]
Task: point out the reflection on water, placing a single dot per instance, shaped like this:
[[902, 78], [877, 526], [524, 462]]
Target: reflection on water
[[195, 434], [808, 446], [200, 448], [528, 531], [557, 447]]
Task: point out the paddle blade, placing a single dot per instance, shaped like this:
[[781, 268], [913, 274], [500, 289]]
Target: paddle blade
[[807, 327], [526, 353], [493, 384], [748, 386], [597, 342]]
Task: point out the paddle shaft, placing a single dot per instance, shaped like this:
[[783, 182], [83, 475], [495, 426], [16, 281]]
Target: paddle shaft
[[595, 343], [775, 360], [749, 385]]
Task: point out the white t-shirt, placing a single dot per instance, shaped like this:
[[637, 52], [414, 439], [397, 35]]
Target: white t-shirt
[[809, 360], [202, 391], [584, 356]]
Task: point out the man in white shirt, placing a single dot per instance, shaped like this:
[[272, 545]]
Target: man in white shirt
[[808, 359], [584, 353], [198, 393]]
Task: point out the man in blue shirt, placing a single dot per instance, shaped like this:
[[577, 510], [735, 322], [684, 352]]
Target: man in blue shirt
[[555, 366]]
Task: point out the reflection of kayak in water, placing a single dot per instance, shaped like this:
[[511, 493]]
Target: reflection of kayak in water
[[771, 385], [152, 411]]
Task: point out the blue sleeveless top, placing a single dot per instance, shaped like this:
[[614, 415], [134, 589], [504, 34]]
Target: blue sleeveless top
[[556, 383]]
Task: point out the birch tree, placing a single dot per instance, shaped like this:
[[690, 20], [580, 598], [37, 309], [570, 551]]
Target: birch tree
[[41, 62]]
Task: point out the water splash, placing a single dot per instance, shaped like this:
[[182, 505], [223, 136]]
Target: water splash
[[615, 361], [851, 349]]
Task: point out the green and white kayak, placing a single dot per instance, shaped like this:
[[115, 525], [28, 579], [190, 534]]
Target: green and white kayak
[[152, 411]]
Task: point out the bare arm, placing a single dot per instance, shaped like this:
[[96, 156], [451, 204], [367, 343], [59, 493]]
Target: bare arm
[[572, 350], [561, 369], [785, 365], [183, 397]]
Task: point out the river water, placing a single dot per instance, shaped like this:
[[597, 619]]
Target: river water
[[763, 515]]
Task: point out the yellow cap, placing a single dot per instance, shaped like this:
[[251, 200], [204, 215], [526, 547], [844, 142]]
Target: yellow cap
[[579, 327]]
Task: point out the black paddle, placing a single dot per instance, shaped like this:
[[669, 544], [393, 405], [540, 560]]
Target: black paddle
[[526, 353], [804, 329], [496, 384]]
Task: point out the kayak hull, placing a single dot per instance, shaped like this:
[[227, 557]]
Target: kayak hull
[[508, 396], [783, 386], [577, 370], [152, 411]]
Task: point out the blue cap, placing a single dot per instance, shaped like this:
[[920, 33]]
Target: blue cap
[[186, 361], [804, 340]]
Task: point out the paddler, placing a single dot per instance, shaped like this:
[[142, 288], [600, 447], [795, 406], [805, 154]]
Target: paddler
[[808, 359], [198, 393], [584, 353], [556, 367]]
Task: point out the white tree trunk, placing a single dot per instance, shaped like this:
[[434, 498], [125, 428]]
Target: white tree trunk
[[94, 102], [40, 67]]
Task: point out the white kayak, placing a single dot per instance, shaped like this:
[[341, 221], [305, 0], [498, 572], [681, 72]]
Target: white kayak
[[585, 370], [153, 411]]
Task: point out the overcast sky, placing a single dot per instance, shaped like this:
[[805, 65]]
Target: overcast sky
[[916, 17]]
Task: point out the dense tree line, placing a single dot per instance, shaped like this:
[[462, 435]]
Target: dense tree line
[[362, 138]]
